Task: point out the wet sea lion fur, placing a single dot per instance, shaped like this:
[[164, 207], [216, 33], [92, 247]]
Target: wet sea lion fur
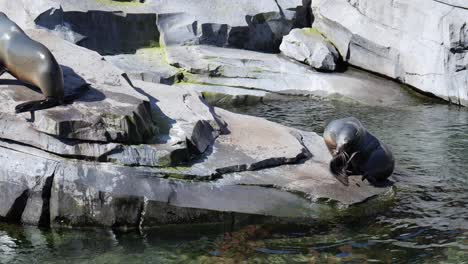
[[356, 151]]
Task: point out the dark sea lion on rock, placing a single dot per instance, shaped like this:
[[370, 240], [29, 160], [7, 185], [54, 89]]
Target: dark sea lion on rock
[[32, 63], [357, 152]]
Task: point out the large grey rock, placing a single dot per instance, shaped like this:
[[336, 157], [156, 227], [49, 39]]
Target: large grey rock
[[103, 31], [110, 110], [249, 146], [312, 178], [213, 66], [263, 31], [74, 192], [190, 121], [309, 46], [245, 24], [256, 25], [420, 43], [107, 119], [83, 193], [127, 153], [22, 182]]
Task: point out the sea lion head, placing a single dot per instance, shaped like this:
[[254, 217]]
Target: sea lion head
[[348, 137]]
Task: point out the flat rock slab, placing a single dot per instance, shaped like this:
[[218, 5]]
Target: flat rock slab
[[233, 68], [146, 65], [251, 144], [103, 194], [312, 178]]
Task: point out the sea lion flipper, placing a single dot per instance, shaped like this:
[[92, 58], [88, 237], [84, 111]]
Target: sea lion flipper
[[343, 179], [36, 105], [338, 166]]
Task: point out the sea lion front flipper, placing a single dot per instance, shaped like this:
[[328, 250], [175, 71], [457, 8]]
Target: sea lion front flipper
[[342, 178], [36, 105], [338, 168]]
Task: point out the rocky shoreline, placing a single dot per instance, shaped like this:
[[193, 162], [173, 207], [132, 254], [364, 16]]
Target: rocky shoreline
[[140, 146]]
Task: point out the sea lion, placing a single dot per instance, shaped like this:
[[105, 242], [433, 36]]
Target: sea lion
[[357, 152], [32, 63]]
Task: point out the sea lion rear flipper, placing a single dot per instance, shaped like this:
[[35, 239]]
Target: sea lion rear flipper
[[36, 105]]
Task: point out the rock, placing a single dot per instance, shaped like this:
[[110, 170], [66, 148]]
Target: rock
[[106, 32], [309, 46], [147, 64], [455, 3], [110, 110], [248, 70], [190, 121], [420, 43], [248, 146], [244, 24], [257, 26], [108, 121], [76, 192], [24, 12], [311, 178], [131, 154]]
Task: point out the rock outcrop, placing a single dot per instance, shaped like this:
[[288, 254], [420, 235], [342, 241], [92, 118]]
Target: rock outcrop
[[214, 69], [422, 43], [134, 154], [176, 42], [309, 46]]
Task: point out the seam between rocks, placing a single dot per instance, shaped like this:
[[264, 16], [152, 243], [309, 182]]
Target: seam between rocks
[[65, 156], [454, 6], [46, 195], [372, 20], [142, 214]]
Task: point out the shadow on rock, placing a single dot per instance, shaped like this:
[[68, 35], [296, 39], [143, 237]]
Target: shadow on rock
[[108, 33], [163, 122]]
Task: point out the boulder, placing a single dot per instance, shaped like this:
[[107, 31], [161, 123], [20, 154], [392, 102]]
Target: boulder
[[420, 43], [307, 45]]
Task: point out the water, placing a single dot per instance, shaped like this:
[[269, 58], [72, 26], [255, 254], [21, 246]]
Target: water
[[427, 223]]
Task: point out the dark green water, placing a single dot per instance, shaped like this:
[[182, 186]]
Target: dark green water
[[428, 222]]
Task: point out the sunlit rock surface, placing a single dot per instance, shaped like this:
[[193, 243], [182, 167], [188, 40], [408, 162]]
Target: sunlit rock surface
[[208, 65], [309, 46], [131, 151], [49, 177], [423, 43]]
